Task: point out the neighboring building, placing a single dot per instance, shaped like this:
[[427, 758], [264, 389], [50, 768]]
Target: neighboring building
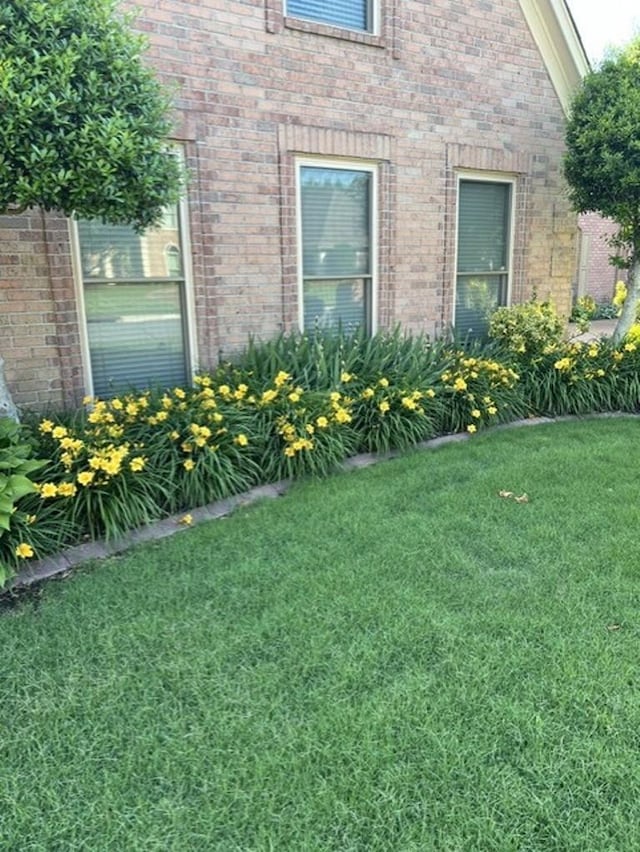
[[597, 276], [366, 161]]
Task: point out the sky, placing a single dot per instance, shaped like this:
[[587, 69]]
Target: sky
[[603, 23]]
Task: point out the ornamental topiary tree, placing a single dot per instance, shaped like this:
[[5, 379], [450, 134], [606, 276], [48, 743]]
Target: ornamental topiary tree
[[602, 162], [83, 122]]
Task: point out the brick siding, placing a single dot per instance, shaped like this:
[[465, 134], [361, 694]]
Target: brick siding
[[598, 275], [445, 86]]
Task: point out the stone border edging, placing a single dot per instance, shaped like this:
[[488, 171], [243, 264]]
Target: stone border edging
[[61, 563]]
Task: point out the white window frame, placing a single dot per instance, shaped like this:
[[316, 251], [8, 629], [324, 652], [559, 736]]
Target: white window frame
[[373, 13], [189, 303], [347, 165], [485, 177]]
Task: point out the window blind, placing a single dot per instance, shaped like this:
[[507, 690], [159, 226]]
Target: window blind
[[336, 247], [483, 253], [134, 305], [483, 226], [110, 252], [335, 221], [351, 14], [337, 304], [136, 336]]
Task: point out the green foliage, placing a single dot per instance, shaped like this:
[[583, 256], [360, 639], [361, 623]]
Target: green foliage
[[385, 386], [605, 311], [397, 660], [16, 463], [306, 432], [313, 359], [602, 163], [130, 459], [207, 446], [137, 457], [38, 528], [526, 330], [317, 360], [584, 310], [580, 378], [478, 391], [16, 466], [395, 416], [84, 122]]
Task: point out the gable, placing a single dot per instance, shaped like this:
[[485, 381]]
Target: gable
[[558, 41]]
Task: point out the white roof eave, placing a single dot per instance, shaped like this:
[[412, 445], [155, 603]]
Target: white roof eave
[[558, 40]]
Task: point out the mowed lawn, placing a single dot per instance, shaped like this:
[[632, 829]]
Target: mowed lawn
[[391, 659]]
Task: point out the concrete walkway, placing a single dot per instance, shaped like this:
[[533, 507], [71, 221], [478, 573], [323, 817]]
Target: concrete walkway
[[597, 329]]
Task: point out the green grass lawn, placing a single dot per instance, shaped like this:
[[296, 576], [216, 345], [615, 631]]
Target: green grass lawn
[[391, 659]]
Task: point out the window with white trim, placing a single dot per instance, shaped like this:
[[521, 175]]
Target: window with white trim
[[483, 252], [358, 15], [337, 245], [135, 305]]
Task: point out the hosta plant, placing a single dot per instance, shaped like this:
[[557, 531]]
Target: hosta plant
[[16, 465]]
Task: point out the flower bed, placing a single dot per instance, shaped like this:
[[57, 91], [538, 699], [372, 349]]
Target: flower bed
[[293, 407]]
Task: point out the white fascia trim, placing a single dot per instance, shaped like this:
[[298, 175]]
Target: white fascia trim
[[76, 263], [189, 320], [555, 33]]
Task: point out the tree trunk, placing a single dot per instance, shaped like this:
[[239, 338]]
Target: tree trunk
[[7, 408], [628, 315]]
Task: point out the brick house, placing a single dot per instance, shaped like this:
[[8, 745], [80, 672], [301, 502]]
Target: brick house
[[597, 276], [365, 161]]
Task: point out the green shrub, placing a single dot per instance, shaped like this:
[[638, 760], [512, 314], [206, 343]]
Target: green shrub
[[626, 369], [307, 432], [125, 461], [527, 330], [136, 457], [16, 466], [584, 308], [383, 384], [94, 478], [478, 391], [314, 360], [584, 377], [569, 380], [388, 416], [605, 311], [317, 360], [583, 312]]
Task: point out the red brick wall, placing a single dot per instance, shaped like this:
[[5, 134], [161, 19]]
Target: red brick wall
[[445, 86], [597, 275], [38, 320]]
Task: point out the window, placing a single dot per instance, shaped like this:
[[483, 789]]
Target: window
[[173, 260], [484, 252], [134, 295], [350, 14], [337, 246]]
